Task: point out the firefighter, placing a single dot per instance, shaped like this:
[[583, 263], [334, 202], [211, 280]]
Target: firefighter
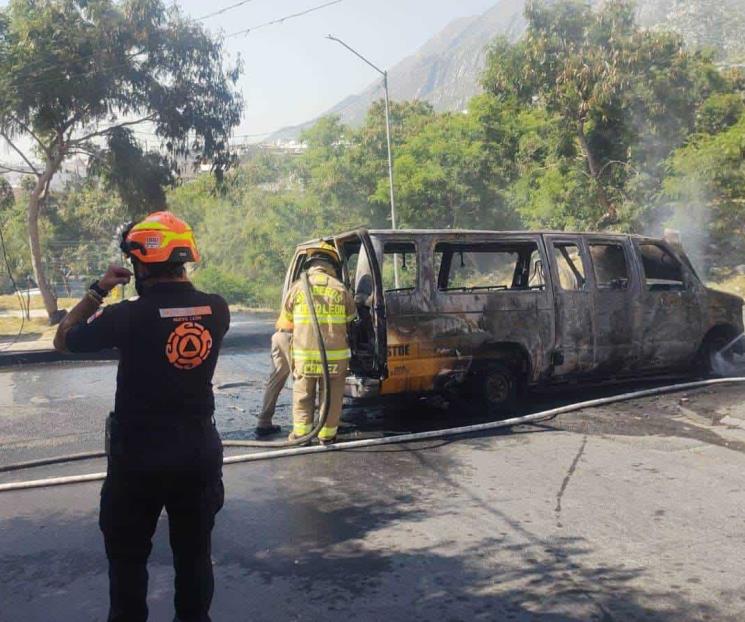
[[162, 444], [335, 309], [281, 368]]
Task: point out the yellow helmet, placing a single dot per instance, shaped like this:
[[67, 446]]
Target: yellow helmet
[[323, 249]]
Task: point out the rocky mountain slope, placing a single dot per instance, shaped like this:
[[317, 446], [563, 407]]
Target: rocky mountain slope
[[446, 70]]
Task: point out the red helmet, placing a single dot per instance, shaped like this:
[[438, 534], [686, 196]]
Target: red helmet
[[160, 238]]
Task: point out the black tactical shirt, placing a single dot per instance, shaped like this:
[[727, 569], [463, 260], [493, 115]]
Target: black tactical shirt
[[168, 339]]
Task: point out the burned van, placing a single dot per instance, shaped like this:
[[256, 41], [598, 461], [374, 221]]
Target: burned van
[[491, 312]]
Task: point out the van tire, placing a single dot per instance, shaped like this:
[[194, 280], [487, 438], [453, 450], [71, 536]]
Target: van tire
[[498, 389]]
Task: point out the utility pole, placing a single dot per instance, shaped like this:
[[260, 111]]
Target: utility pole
[[388, 141]]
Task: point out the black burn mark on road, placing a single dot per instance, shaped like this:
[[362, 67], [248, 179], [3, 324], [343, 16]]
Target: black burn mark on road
[[658, 416], [567, 478]]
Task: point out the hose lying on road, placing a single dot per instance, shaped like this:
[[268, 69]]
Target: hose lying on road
[[301, 440], [405, 438], [326, 392]]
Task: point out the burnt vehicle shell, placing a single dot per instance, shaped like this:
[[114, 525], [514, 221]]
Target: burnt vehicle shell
[[570, 306]]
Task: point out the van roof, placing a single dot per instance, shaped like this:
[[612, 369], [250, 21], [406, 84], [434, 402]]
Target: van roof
[[465, 232]]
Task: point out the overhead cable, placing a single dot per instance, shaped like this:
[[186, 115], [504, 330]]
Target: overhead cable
[[223, 10], [281, 20]]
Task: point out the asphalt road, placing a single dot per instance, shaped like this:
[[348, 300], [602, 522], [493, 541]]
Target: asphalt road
[[633, 512]]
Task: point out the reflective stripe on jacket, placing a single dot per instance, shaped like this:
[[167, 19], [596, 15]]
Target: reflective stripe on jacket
[[335, 309]]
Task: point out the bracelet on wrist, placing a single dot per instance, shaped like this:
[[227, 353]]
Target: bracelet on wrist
[[98, 290], [94, 297]]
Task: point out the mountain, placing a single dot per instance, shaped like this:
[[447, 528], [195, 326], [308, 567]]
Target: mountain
[[445, 71], [714, 24]]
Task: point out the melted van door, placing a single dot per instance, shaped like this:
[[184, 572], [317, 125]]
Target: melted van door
[[361, 273], [293, 272], [671, 309], [575, 317]]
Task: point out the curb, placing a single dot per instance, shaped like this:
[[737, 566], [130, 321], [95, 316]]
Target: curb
[[253, 341]]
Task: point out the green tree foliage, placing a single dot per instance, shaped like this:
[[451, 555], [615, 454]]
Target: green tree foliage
[[11, 260], [623, 98], [74, 72], [587, 122], [140, 179], [446, 177], [706, 189]]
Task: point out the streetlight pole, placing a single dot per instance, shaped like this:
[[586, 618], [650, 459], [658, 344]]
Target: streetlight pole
[[390, 151], [387, 138]]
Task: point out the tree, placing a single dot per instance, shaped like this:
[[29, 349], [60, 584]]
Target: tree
[[706, 195], [7, 203], [580, 63], [620, 99], [139, 178], [73, 73], [445, 177], [369, 152]]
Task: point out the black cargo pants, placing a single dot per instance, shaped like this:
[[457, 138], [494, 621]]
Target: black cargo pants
[[130, 507], [176, 467]]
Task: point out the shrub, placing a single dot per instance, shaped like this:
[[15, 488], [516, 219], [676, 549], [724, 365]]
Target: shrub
[[234, 289]]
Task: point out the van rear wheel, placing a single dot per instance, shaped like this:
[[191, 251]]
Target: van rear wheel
[[498, 389]]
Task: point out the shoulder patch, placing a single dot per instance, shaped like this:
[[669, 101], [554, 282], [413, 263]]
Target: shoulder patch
[[95, 316], [181, 312]]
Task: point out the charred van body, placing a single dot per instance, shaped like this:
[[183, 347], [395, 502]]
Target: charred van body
[[491, 312]]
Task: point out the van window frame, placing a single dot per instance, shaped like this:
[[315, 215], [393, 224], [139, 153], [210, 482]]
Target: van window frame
[[403, 291], [588, 275], [628, 256], [534, 243], [684, 282]]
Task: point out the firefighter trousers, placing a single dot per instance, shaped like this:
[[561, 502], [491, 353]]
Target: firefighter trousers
[[281, 367], [305, 389], [130, 506]]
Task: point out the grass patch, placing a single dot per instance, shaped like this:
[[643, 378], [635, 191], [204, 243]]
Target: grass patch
[[9, 302], [32, 329]]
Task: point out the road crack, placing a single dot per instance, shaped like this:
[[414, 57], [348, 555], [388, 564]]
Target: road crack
[[567, 479]]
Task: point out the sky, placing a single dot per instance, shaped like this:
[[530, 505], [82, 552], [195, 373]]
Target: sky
[[293, 74]]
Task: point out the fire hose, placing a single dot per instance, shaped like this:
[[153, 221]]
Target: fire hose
[[398, 438], [301, 440]]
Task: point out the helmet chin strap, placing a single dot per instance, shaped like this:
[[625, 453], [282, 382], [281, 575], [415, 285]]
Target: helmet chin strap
[[139, 279]]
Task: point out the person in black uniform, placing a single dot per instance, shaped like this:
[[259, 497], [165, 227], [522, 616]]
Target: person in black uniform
[[162, 444]]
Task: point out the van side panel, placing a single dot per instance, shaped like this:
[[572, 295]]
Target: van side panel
[[436, 337]]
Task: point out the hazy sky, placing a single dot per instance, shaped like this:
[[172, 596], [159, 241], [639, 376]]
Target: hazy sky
[[292, 73]]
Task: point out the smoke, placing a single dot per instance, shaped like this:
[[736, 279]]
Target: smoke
[[693, 222], [729, 361]]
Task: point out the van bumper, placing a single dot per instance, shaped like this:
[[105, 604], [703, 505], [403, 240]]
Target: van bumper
[[361, 388]]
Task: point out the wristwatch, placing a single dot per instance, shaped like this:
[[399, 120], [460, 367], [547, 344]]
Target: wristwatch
[[97, 289]]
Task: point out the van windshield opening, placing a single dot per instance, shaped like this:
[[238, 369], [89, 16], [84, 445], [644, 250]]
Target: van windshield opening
[[488, 266]]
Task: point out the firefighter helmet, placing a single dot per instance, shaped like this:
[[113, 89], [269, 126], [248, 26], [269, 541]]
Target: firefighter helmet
[[323, 250], [160, 238]]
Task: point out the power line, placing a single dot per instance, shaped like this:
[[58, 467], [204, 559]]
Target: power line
[[281, 20], [225, 10], [245, 31]]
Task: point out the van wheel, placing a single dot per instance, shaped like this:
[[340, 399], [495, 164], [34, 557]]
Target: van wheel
[[499, 386]]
